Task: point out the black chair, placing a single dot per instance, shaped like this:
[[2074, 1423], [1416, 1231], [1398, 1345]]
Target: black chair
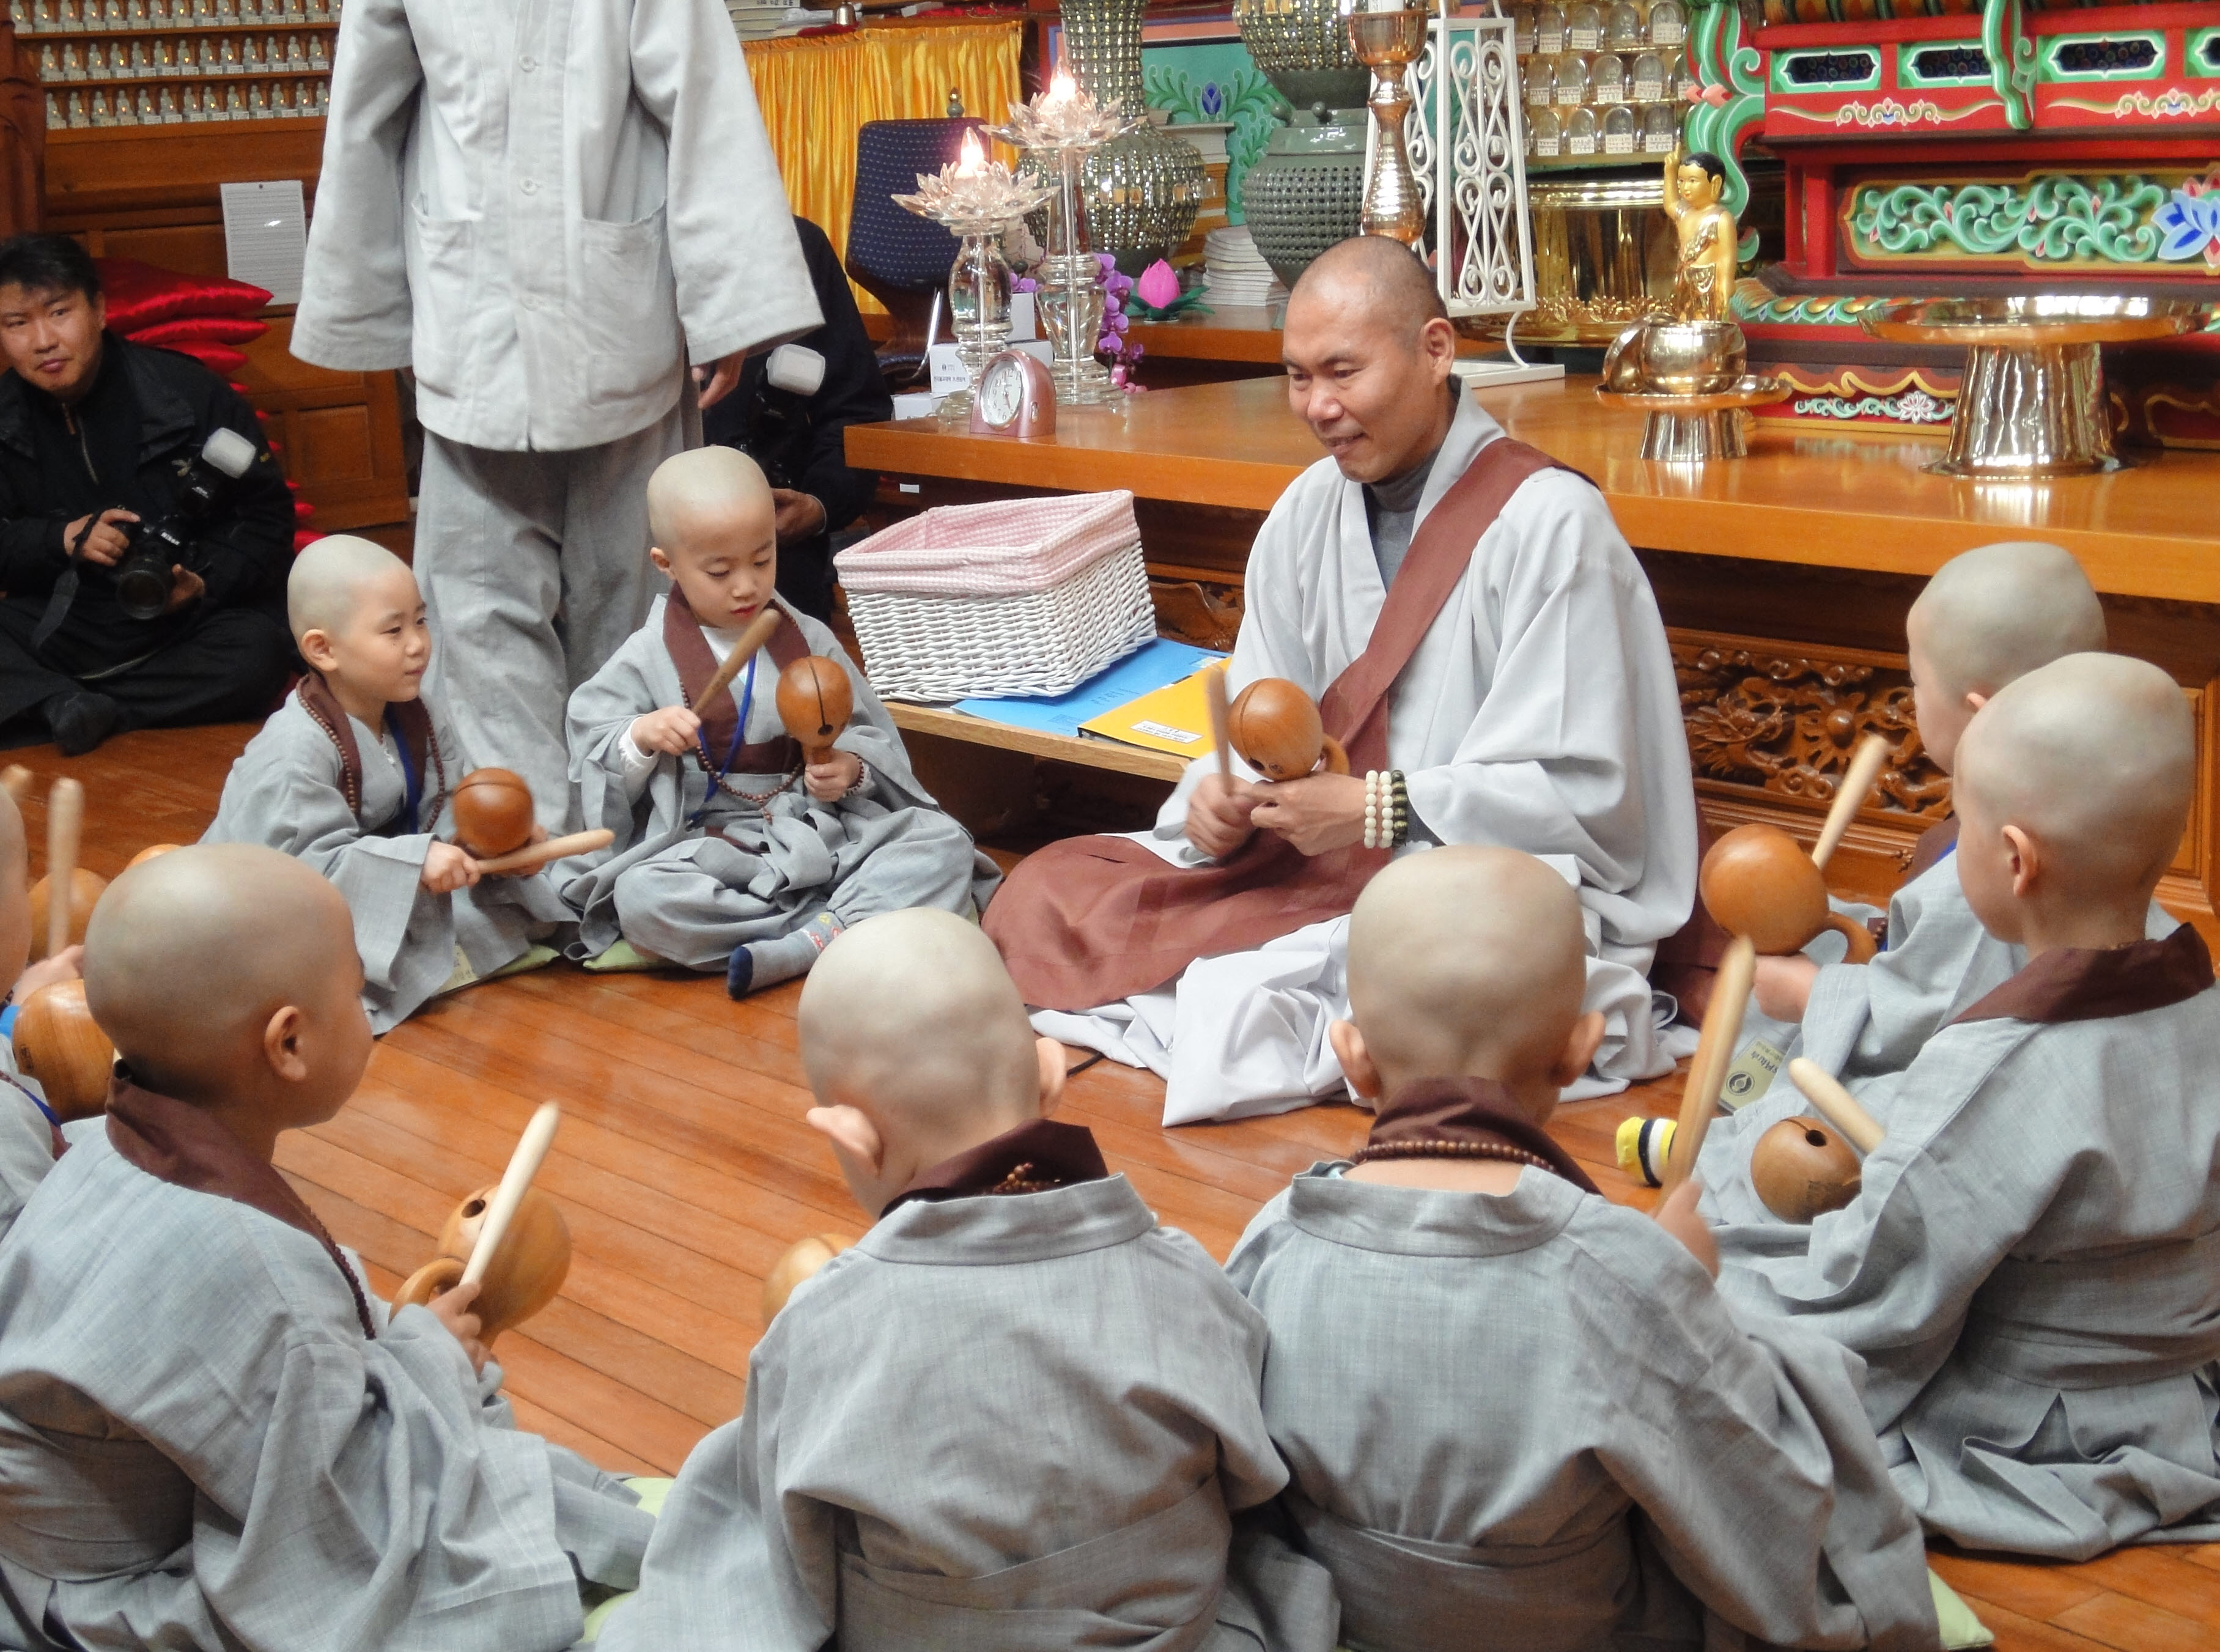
[[898, 258]]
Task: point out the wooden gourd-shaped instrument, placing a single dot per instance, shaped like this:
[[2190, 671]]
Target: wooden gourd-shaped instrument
[[493, 824], [509, 1239], [56, 926], [800, 1261], [1802, 1167], [1755, 882], [815, 701], [57, 1043], [1275, 727]]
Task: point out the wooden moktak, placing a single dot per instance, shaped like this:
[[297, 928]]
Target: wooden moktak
[[815, 701], [1804, 1166], [800, 1261], [493, 824], [1755, 882], [59, 1043], [1275, 727], [53, 930], [509, 1239]]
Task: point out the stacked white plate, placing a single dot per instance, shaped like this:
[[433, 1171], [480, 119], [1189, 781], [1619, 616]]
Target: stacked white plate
[[1234, 272], [762, 22]]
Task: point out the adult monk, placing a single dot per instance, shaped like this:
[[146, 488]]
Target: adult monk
[[1468, 615]]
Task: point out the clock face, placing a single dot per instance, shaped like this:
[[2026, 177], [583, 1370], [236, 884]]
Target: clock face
[[1002, 391]]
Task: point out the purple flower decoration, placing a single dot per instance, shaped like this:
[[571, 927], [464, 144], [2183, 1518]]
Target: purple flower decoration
[[2191, 221], [1025, 284], [1212, 99], [1159, 285], [1106, 345]]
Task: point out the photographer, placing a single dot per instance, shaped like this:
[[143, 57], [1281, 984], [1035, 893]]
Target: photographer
[[100, 449], [797, 434]]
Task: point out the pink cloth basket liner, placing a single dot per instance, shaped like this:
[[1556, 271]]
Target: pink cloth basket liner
[[1003, 548]]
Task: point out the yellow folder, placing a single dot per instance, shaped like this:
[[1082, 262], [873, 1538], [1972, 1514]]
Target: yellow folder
[[1174, 719]]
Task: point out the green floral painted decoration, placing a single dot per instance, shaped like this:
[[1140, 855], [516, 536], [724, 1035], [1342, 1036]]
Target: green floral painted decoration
[[2056, 219], [1243, 96]]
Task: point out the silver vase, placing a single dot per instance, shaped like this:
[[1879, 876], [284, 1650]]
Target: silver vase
[[1303, 48], [1141, 190]]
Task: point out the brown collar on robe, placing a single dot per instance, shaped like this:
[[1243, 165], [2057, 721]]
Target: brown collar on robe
[[1933, 844], [697, 663], [1032, 1158], [1464, 1118], [412, 723], [175, 1142], [2081, 983]]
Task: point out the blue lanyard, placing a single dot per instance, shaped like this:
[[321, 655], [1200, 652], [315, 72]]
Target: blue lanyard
[[731, 752], [412, 785]]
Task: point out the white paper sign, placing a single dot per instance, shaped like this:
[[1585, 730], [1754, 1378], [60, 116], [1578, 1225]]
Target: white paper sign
[[1021, 318], [265, 236], [948, 371]]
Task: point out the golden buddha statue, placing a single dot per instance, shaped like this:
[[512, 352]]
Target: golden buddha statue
[[1704, 280]]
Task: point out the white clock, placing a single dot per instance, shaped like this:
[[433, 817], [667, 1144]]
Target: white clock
[[1015, 398]]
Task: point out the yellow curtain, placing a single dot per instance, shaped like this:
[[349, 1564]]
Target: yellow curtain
[[816, 92]]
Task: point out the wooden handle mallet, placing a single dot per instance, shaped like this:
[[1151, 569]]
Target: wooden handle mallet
[[535, 855], [1864, 768], [523, 1165], [1707, 1071], [65, 826], [758, 633], [1836, 1105], [17, 781], [1213, 695]]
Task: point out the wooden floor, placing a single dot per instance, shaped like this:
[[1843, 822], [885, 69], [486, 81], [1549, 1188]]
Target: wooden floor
[[684, 1169]]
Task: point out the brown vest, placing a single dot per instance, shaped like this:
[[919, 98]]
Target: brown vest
[[1090, 920]]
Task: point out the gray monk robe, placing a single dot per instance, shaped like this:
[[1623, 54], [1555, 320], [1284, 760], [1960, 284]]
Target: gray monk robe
[[30, 1139], [365, 811], [210, 1435], [1527, 1420], [1015, 1417], [700, 868], [2031, 1267]]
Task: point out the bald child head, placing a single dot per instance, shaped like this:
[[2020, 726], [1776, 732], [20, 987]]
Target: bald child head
[[193, 957], [705, 494], [911, 1029], [1469, 962], [333, 576], [2082, 770], [1987, 618]]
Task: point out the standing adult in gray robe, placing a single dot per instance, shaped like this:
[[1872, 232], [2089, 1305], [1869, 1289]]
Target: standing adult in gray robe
[[321, 786], [545, 211], [1528, 1421], [697, 870], [2031, 1266], [211, 1435], [1004, 1422]]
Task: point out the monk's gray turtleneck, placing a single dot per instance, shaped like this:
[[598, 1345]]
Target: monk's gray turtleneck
[[1391, 509]]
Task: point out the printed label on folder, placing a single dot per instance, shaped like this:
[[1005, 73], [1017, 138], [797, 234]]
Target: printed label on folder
[[1166, 732]]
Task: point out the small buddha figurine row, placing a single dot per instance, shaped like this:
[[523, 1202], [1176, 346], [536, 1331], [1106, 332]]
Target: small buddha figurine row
[[1572, 78], [127, 16], [1619, 130], [162, 56], [262, 100], [1548, 28]]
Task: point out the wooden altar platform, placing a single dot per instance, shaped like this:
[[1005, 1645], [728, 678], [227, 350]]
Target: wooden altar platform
[[684, 1170]]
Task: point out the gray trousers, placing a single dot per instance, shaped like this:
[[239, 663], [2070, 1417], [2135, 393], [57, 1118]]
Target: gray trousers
[[535, 567]]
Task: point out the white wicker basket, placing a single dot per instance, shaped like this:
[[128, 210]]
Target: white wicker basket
[[1021, 596]]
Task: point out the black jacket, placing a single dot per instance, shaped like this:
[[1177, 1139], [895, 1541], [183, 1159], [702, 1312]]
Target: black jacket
[[799, 442], [148, 410]]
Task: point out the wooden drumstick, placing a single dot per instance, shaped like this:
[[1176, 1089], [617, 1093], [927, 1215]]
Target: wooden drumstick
[[1213, 695], [1836, 1105], [523, 1165], [1864, 767], [17, 781], [756, 634], [1707, 1071], [539, 854], [65, 824]]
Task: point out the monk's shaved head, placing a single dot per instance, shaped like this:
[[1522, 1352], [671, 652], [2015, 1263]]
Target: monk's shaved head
[[189, 956], [1466, 961], [912, 1016], [705, 490], [328, 579], [1384, 276], [1995, 614], [2095, 756]]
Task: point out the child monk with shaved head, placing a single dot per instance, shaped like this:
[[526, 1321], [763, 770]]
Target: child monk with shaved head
[[2031, 1265], [30, 1134], [1019, 1414], [354, 776], [211, 1435], [730, 853], [1515, 1414]]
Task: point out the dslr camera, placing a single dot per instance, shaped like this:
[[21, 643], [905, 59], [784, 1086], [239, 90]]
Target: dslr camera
[[142, 573]]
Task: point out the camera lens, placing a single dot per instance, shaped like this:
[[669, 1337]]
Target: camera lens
[[142, 585]]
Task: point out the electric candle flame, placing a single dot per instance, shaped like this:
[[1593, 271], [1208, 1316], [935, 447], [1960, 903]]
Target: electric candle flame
[[1061, 87], [974, 158]]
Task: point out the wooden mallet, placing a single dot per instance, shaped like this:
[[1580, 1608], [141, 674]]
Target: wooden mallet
[[17, 782], [523, 1165], [1707, 1071], [1213, 695], [64, 829], [1836, 1105], [535, 855], [758, 633], [1864, 766]]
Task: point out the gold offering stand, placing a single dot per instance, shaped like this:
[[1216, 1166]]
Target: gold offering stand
[[1690, 428], [1387, 37], [2033, 401]]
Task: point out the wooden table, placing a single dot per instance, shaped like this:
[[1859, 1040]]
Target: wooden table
[[1783, 578], [1232, 342]]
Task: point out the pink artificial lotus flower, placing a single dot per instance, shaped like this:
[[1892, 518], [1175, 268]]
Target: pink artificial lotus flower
[[1159, 285]]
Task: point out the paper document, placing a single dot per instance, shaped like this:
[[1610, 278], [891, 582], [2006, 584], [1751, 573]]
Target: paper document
[[265, 236]]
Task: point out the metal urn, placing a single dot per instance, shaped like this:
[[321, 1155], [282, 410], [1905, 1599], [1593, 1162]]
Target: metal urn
[[1307, 190], [1303, 48], [1142, 191]]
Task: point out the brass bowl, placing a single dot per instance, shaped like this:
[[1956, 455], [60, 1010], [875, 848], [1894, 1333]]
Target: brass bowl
[[2031, 318], [1683, 358]]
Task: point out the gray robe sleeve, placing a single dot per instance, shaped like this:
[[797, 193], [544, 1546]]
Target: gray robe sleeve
[[27, 1151]]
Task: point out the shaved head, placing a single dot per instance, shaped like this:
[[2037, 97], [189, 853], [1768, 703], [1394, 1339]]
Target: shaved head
[[189, 956], [2094, 755], [705, 490], [1383, 276], [329, 576], [1466, 961], [1995, 614]]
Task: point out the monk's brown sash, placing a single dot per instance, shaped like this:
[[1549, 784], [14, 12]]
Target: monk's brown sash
[[2081, 983], [412, 724], [177, 1143], [1032, 1158], [1090, 920], [696, 662], [1464, 1118]]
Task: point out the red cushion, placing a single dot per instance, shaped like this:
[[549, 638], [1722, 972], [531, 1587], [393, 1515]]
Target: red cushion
[[216, 357], [198, 329], [303, 538], [141, 294]]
